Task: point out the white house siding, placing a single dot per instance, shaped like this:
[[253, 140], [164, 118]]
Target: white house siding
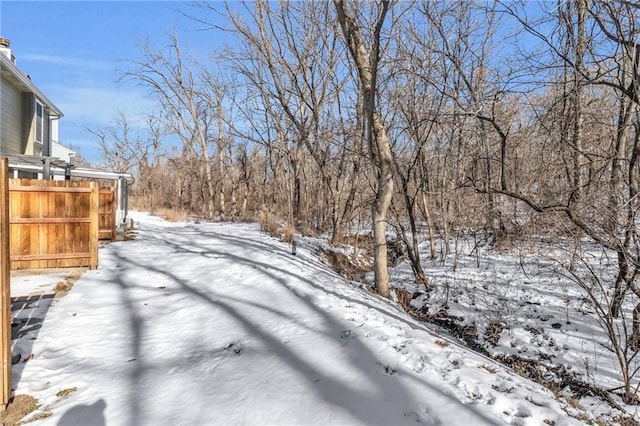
[[54, 132], [11, 119], [61, 152]]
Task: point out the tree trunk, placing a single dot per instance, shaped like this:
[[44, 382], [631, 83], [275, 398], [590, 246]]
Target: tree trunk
[[578, 178], [381, 205], [634, 341], [413, 248], [221, 165], [427, 214], [366, 62], [620, 287], [617, 204]]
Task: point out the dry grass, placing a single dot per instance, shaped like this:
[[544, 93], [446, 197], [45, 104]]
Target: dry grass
[[489, 368], [66, 392], [343, 265], [364, 241], [404, 299], [19, 406], [269, 223], [38, 416], [627, 421], [172, 215], [493, 331], [288, 233], [63, 287]]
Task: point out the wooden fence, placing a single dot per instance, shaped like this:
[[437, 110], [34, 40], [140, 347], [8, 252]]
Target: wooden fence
[[53, 224], [45, 224], [107, 214], [5, 288]]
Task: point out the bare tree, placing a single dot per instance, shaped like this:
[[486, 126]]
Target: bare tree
[[414, 107], [366, 59], [122, 148], [598, 196], [290, 57], [173, 80]]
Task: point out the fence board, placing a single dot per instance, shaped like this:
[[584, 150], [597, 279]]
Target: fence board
[[39, 220], [53, 224], [32, 189], [5, 288], [49, 256], [94, 229]]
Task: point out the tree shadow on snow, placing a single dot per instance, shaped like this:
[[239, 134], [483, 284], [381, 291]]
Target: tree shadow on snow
[[85, 415], [298, 261], [334, 391], [27, 317]]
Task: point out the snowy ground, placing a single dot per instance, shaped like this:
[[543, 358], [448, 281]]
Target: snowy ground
[[543, 314], [218, 324]]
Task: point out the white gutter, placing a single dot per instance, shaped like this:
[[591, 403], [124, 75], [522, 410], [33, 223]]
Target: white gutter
[[99, 174], [75, 172]]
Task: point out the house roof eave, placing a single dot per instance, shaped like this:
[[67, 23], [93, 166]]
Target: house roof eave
[[26, 82], [58, 167]]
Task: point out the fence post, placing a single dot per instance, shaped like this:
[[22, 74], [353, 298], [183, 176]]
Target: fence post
[[113, 214], [94, 210], [5, 288]]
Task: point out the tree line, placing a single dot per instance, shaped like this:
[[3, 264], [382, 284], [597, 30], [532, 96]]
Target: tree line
[[421, 119]]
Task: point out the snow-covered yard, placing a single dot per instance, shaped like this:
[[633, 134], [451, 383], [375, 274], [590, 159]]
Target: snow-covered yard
[[522, 303], [218, 324]]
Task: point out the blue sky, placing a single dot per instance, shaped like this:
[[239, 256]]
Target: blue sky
[[72, 51]]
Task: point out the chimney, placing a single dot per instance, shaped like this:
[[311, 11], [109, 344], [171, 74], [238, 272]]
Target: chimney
[[5, 50]]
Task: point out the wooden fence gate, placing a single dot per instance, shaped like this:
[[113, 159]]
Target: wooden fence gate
[[5, 288], [53, 224], [107, 214]]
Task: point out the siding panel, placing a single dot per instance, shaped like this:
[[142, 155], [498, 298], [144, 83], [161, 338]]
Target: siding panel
[[11, 118]]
